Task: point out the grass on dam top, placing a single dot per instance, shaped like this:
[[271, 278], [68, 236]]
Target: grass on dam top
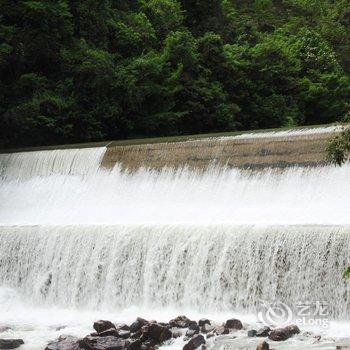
[[151, 140]]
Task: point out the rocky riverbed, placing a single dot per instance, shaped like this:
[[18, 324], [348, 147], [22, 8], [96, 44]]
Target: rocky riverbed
[[181, 331]]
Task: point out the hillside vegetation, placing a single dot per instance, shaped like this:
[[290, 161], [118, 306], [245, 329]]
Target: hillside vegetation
[[90, 70]]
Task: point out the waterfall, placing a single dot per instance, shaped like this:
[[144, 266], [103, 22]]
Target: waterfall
[[77, 234], [204, 268]]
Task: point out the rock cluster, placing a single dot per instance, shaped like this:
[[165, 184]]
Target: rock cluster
[[277, 334], [149, 335], [145, 335]]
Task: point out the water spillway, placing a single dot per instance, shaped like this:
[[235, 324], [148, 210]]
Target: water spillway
[[209, 269], [179, 226]]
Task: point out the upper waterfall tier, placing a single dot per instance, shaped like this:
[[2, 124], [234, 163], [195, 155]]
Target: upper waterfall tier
[[28, 165], [70, 187]]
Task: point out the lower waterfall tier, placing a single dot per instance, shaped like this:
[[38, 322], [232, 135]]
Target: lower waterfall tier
[[211, 268]]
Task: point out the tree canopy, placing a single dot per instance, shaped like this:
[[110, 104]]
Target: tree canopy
[[77, 71]]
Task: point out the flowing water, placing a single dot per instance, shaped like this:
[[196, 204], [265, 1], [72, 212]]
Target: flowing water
[[79, 242]]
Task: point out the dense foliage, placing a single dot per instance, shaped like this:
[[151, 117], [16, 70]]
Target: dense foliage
[[88, 70], [339, 148]]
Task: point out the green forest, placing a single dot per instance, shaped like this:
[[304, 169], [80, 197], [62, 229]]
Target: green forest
[[91, 70]]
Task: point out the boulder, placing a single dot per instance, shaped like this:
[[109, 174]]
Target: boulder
[[101, 325], [196, 341], [138, 324], [234, 323], [263, 332], [64, 342], [203, 321], [262, 346], [10, 343], [221, 330], [251, 333], [210, 335], [159, 333], [103, 343], [123, 327], [180, 322], [280, 334]]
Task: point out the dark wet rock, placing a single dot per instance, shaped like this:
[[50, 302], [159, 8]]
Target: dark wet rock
[[124, 334], [135, 345], [59, 328], [123, 327], [210, 335], [206, 328], [251, 333], [221, 330], [195, 342], [159, 333], [101, 325], [138, 324], [263, 332], [280, 334], [64, 342], [263, 345], [103, 343], [108, 332], [234, 323], [193, 325], [203, 321], [10, 343], [5, 328], [180, 322]]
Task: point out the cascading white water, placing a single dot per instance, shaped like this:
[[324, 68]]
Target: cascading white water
[[75, 235], [295, 196], [204, 268]]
